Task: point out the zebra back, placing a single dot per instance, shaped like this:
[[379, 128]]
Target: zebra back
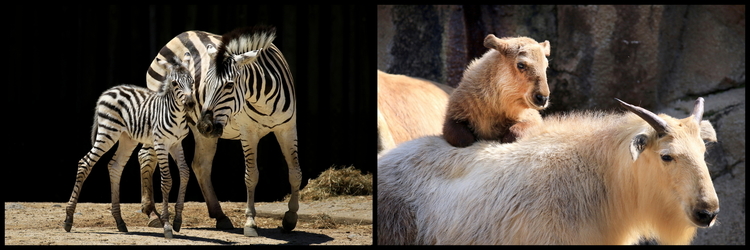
[[137, 110], [194, 42], [265, 84]]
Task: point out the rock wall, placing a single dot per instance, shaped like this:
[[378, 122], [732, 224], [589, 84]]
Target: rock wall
[[659, 57]]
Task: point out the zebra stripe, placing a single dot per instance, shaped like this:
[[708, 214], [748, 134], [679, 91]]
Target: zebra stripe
[[244, 90], [131, 115]]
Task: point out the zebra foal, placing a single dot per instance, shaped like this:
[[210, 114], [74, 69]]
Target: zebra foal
[[130, 115]]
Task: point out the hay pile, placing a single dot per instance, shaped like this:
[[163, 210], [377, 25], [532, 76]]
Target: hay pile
[[335, 182]]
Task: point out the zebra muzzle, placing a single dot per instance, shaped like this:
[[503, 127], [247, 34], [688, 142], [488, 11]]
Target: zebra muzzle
[[189, 104], [207, 127]]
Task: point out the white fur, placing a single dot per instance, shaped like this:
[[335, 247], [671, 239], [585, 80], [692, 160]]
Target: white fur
[[572, 181]]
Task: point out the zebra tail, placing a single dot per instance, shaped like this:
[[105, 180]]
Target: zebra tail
[[94, 128]]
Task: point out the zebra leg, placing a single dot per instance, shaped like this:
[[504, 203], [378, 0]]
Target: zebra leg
[[250, 147], [179, 156], [101, 146], [116, 165], [288, 142], [205, 149], [147, 159], [166, 185]]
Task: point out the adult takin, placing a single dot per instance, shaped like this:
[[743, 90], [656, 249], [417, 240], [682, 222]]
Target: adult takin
[[500, 94], [409, 108], [582, 178]]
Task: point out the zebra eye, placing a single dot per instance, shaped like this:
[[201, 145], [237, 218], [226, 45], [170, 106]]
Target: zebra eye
[[666, 158], [229, 85], [174, 83]]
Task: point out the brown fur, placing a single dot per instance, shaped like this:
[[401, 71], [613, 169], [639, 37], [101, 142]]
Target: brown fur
[[497, 99], [409, 108]]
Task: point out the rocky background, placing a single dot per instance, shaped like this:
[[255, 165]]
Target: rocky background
[[659, 57]]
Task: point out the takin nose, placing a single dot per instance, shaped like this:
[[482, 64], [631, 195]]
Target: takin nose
[[540, 100], [704, 218]]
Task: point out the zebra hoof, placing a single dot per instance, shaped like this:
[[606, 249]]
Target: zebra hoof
[[154, 222], [168, 232], [176, 225], [224, 223], [122, 227], [289, 222], [251, 232], [67, 226]]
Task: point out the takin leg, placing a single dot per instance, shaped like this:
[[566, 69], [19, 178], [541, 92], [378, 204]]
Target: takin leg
[[179, 157], [288, 142], [147, 159], [457, 133], [250, 147], [396, 220], [166, 185], [529, 118], [514, 132], [205, 149], [116, 165], [101, 146]]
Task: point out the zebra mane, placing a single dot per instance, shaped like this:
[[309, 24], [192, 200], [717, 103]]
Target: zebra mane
[[243, 40]]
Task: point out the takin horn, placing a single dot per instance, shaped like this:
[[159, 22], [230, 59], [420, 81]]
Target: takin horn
[[660, 125]]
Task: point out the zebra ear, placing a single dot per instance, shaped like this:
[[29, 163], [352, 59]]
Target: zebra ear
[[211, 50], [187, 60], [163, 63], [246, 57]]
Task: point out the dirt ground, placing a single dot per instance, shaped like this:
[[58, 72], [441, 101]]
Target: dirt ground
[[40, 223]]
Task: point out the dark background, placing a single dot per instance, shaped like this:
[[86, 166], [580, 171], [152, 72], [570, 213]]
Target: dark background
[[63, 57]]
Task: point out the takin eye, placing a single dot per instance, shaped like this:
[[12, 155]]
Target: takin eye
[[666, 158], [521, 66]]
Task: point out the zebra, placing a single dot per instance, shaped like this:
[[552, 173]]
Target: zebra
[[131, 115], [244, 90]]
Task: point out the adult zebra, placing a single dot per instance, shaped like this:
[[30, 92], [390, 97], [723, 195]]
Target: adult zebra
[[130, 115], [244, 90]]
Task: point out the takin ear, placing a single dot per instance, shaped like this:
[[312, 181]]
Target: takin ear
[[545, 47], [502, 46], [708, 134], [637, 145]]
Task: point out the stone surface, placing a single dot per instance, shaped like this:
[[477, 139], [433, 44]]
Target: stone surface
[[659, 57]]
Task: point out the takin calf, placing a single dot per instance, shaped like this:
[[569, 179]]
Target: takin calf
[[582, 178], [409, 108], [500, 94]]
